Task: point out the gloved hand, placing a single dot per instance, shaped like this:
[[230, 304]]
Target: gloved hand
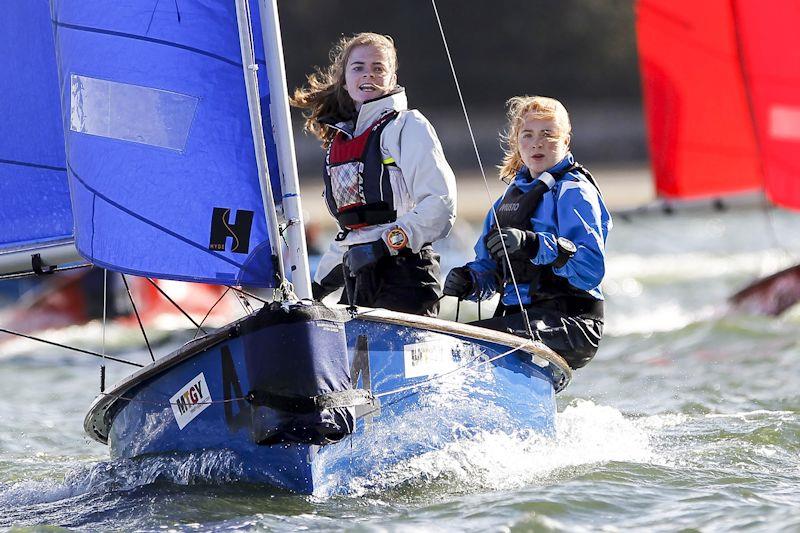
[[362, 256], [519, 244], [459, 282]]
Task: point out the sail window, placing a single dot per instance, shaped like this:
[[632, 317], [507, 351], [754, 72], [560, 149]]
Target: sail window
[[130, 112], [784, 122]]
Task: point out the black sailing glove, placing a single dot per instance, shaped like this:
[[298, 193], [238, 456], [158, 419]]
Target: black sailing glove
[[332, 281], [363, 256], [519, 244], [459, 283]]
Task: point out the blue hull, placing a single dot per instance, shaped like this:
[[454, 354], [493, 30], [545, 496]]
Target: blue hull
[[452, 376]]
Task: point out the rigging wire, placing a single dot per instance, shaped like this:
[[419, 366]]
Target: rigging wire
[[103, 335], [74, 349], [525, 317], [244, 302], [138, 318], [178, 307], [209, 312], [248, 294]]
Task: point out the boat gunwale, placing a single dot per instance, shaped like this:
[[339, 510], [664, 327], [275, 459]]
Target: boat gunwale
[[97, 426]]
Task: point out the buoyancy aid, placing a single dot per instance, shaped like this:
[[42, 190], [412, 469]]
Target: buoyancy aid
[[516, 210], [358, 189]]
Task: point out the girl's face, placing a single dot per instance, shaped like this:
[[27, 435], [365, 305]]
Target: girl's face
[[369, 74], [541, 144]]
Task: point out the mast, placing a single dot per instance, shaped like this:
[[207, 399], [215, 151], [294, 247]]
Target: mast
[[251, 83], [282, 125]]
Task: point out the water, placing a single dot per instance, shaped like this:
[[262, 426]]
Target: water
[[688, 419]]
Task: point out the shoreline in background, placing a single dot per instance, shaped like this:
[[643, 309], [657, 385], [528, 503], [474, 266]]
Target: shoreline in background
[[624, 186]]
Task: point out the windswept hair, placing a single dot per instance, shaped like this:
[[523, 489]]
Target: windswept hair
[[326, 96], [543, 108]]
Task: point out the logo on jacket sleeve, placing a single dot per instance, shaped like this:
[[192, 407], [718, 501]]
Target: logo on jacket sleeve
[[190, 401], [222, 229]]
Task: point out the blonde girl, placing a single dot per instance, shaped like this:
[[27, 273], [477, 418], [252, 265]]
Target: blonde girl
[[549, 230]]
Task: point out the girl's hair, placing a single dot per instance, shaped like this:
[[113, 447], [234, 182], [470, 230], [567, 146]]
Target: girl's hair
[[541, 107], [326, 94]]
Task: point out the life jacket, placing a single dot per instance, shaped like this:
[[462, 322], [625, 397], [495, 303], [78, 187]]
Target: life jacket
[[357, 186], [515, 210]]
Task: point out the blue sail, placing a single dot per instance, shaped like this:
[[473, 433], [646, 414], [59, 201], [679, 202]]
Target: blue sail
[[34, 193], [159, 147]]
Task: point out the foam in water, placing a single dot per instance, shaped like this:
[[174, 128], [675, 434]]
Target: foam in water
[[215, 467], [501, 460]]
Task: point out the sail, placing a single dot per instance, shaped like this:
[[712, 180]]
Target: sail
[[721, 84], [35, 210], [770, 55], [159, 147], [701, 137]]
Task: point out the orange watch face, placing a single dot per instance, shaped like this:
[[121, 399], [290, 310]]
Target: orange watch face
[[396, 239]]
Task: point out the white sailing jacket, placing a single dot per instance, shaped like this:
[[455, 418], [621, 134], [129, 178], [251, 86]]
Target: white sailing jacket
[[423, 184]]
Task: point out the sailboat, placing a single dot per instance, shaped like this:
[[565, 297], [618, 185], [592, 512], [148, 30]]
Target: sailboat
[[178, 152], [721, 85]]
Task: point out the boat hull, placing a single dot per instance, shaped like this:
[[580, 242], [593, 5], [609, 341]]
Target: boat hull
[[431, 382]]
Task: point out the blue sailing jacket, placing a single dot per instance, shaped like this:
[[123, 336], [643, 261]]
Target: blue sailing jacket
[[574, 209]]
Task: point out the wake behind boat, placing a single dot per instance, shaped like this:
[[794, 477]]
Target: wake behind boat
[[180, 164]]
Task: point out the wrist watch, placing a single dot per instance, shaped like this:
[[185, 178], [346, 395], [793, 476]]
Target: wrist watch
[[566, 249], [396, 239]]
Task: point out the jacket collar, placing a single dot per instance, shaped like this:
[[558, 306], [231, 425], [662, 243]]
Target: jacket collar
[[524, 175], [372, 110]]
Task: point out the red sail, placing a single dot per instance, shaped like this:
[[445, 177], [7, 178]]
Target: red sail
[[702, 140], [769, 40]]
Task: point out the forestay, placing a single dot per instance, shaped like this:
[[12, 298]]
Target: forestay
[[34, 196], [159, 145]]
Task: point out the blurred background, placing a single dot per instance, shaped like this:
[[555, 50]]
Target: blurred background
[[582, 52], [688, 418]]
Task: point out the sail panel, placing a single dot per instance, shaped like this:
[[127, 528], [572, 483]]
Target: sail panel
[[770, 51], [34, 192], [702, 141], [159, 146]]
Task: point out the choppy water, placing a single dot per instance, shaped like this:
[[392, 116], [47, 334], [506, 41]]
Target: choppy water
[[688, 419]]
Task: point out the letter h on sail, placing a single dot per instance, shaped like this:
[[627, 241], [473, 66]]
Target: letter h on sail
[[221, 229]]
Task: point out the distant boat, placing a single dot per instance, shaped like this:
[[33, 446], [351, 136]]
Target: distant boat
[[721, 83], [180, 163]]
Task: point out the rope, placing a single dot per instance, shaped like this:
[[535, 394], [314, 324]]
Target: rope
[[525, 318], [456, 369], [88, 352], [413, 387], [161, 402]]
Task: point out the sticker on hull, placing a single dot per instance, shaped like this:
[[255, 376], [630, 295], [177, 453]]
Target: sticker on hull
[[190, 401], [429, 357]]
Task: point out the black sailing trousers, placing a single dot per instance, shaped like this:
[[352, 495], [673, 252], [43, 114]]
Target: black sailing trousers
[[406, 282], [574, 334]]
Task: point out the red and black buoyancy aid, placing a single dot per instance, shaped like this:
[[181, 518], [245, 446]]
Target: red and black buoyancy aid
[[515, 210], [358, 189]]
